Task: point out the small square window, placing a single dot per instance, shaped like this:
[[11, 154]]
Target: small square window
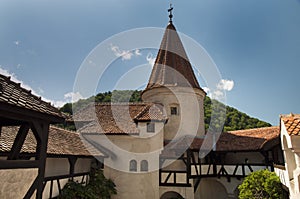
[[150, 127], [174, 111]]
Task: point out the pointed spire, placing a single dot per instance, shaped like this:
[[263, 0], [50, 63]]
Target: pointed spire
[[172, 67]]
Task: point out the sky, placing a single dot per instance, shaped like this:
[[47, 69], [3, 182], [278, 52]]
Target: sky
[[255, 45]]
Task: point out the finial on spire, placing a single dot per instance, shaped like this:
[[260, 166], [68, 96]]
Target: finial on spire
[[170, 11]]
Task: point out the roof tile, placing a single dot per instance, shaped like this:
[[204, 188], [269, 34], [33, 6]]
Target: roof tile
[[120, 118], [292, 123], [12, 93], [60, 142]]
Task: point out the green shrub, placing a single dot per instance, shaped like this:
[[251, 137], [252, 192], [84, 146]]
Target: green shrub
[[261, 184], [98, 188]]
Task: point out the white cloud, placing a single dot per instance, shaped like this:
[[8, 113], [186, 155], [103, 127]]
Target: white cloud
[[68, 97], [17, 43], [137, 52], [218, 94], [41, 91], [225, 84], [73, 96], [14, 78], [150, 59], [206, 89], [58, 103], [125, 54]]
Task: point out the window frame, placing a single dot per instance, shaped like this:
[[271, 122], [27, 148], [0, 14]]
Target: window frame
[[172, 108], [150, 127], [133, 165], [144, 165]]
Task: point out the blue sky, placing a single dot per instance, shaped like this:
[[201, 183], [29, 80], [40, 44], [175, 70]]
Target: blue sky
[[254, 43]]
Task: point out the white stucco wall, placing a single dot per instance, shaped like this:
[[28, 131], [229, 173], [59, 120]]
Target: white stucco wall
[[190, 120], [131, 184], [14, 183], [60, 166], [134, 185], [56, 166], [291, 150], [185, 192]]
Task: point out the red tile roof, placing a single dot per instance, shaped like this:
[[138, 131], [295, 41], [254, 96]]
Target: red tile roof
[[240, 140], [249, 139], [118, 118], [12, 93], [60, 142], [292, 123], [172, 67]]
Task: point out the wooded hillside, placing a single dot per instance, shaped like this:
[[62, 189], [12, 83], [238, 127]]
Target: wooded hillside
[[235, 120]]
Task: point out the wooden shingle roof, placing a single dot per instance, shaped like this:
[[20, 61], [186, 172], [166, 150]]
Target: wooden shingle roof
[[248, 140], [61, 142], [172, 66], [118, 118], [240, 140], [12, 94]]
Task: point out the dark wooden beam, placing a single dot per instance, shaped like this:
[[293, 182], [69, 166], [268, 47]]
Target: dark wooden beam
[[41, 130], [18, 142], [58, 185], [23, 114], [19, 164], [168, 177], [198, 180], [175, 185], [32, 188], [188, 165], [72, 162], [51, 189], [51, 178], [195, 163]]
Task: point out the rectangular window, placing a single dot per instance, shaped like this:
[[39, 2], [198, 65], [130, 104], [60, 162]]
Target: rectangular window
[[173, 110], [150, 127]]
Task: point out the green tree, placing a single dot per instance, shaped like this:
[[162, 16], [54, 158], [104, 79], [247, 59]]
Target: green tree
[[98, 188], [234, 119], [262, 184]]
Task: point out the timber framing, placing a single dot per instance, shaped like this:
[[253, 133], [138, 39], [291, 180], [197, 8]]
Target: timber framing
[[213, 165], [19, 107]]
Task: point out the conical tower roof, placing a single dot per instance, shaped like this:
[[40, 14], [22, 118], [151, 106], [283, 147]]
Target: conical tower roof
[[172, 67]]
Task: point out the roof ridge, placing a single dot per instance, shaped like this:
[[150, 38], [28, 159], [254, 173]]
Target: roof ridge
[[66, 130], [13, 93], [143, 111], [18, 84], [254, 129], [122, 103]]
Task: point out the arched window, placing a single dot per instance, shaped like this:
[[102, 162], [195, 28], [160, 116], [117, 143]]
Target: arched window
[[132, 165], [144, 165]]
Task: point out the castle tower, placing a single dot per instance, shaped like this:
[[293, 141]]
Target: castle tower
[[173, 84]]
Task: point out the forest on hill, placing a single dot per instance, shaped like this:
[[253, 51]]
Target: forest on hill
[[235, 120]]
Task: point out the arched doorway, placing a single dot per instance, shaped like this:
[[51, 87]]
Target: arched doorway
[[171, 195], [212, 189]]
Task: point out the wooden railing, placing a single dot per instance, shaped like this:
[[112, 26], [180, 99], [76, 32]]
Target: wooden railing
[[225, 170], [57, 181]]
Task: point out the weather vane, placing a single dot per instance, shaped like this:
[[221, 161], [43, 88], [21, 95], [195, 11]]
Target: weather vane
[[170, 11]]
